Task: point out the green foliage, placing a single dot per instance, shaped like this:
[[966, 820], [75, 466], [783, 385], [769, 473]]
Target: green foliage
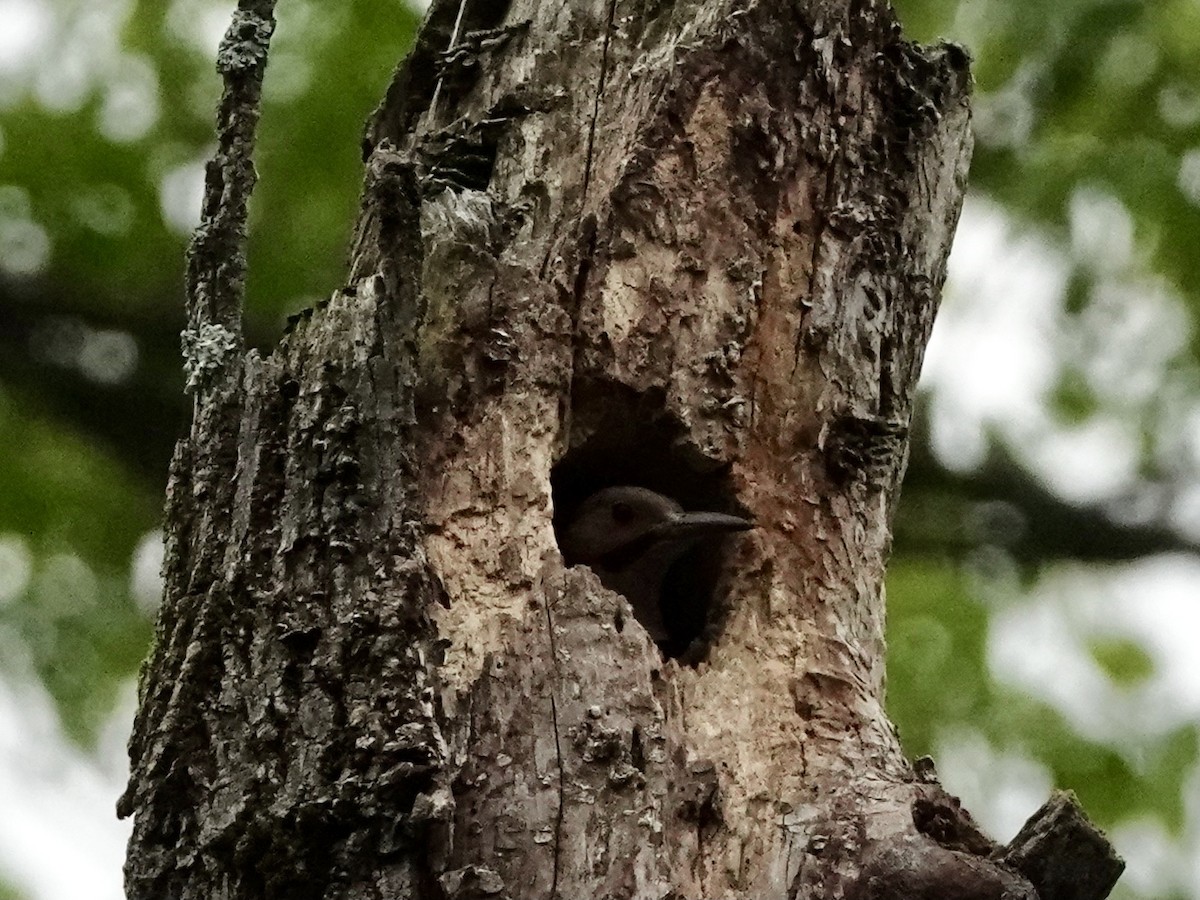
[[98, 200], [70, 519], [1102, 94], [936, 636], [939, 684], [1073, 399], [1095, 97], [1124, 661]]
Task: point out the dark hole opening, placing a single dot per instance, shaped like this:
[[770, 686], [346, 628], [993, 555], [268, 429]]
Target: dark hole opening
[[637, 753], [619, 437]]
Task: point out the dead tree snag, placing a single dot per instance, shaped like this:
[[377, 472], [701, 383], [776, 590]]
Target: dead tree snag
[[695, 246]]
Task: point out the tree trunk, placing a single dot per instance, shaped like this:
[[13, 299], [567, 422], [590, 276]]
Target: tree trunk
[[696, 246]]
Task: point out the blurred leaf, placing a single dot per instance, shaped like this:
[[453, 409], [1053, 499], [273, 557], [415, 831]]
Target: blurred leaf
[[1077, 291], [935, 651], [938, 683], [1073, 399], [62, 495], [1102, 93], [1170, 764], [79, 518], [1125, 661]]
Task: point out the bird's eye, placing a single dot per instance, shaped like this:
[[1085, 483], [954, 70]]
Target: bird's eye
[[622, 512]]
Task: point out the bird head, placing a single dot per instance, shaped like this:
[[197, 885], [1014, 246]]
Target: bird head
[[616, 526]]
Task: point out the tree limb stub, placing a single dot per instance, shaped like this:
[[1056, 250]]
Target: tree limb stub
[[216, 269], [1063, 854], [695, 246]]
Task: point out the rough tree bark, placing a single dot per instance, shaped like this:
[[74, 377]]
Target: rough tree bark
[[695, 245]]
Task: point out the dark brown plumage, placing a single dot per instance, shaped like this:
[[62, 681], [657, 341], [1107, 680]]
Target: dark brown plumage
[[630, 536]]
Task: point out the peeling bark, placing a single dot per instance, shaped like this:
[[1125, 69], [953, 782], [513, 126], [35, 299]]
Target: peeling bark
[[693, 245]]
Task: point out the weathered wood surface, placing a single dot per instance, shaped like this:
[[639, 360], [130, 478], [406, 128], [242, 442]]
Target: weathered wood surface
[[697, 244]]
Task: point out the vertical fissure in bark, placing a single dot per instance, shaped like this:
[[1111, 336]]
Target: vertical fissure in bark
[[558, 755], [601, 80], [578, 289]]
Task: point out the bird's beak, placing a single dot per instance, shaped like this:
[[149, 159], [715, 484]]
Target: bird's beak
[[689, 526]]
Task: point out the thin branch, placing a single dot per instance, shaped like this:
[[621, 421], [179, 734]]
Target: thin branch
[[216, 266]]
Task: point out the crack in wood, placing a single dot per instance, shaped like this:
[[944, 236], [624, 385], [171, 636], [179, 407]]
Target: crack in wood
[[591, 142], [558, 819]]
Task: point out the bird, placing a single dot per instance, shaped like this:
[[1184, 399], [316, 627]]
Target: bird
[[630, 536]]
